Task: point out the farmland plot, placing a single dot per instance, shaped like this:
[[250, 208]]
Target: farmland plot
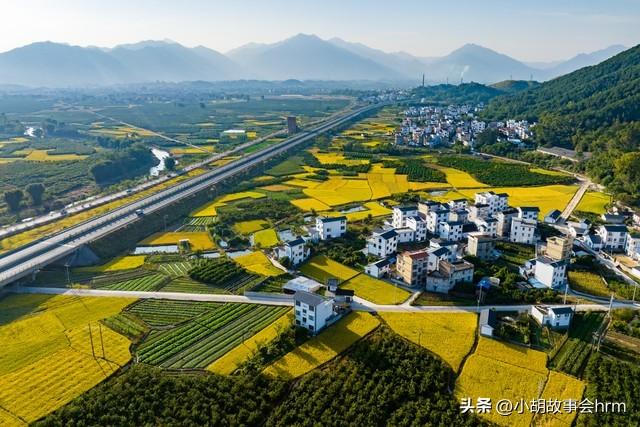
[[176, 269], [151, 282], [198, 343], [164, 312]]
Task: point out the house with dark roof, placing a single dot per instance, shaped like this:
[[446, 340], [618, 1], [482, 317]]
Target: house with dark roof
[[312, 311], [487, 322], [553, 217], [554, 317], [383, 243], [614, 237]]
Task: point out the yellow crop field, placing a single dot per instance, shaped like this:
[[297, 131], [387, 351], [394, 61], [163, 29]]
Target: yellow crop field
[[47, 357], [301, 182], [460, 179], [258, 263], [547, 172], [239, 196], [36, 233], [340, 191], [546, 197], [375, 290], [44, 156], [337, 158], [561, 387], [322, 268], [224, 160], [199, 240], [374, 209], [588, 282], [121, 263], [503, 371], [449, 335], [323, 347], [207, 210], [234, 358], [266, 238], [248, 227], [277, 187], [201, 149], [594, 202], [310, 204]]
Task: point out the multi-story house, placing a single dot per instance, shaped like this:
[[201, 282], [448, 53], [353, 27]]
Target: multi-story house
[[523, 231], [614, 237], [312, 311], [331, 227], [383, 243], [400, 215]]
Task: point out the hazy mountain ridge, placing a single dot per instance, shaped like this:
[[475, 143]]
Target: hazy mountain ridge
[[303, 57]]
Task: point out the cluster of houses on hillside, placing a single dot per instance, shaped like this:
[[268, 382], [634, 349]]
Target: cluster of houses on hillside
[[454, 229], [435, 126]]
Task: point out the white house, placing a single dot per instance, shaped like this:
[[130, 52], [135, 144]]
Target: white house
[[296, 251], [614, 237], [555, 317], [633, 247], [528, 212], [451, 231], [448, 275], [383, 243], [549, 272], [426, 206], [504, 221], [435, 217], [301, 283], [458, 204], [487, 322], [593, 241], [552, 217], [579, 228], [487, 226], [419, 227], [400, 215], [312, 311], [379, 269], [496, 202], [405, 235], [523, 231], [479, 211], [331, 227]]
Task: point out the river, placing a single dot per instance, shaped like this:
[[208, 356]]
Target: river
[[160, 155]]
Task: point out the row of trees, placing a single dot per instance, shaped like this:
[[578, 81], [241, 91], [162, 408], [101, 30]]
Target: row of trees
[[14, 197]]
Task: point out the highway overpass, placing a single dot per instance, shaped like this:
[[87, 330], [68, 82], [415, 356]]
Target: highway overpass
[[26, 260]]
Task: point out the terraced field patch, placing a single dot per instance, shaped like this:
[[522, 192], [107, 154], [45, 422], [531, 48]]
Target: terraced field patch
[[121, 263], [176, 269], [197, 343], [151, 282], [198, 240], [265, 238], [155, 312], [46, 360], [322, 268], [248, 227], [323, 347], [258, 263], [449, 335], [228, 363], [375, 290]]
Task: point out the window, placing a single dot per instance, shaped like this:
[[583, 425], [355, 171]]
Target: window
[[298, 303], [312, 309]]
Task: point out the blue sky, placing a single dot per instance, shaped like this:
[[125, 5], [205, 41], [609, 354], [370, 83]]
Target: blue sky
[[537, 30]]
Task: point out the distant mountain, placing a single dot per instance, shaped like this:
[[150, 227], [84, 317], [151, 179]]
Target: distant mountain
[[584, 60], [308, 57], [302, 57], [66, 65], [401, 62], [478, 64]]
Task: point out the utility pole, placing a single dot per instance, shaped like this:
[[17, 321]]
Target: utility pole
[[610, 306], [479, 298], [635, 287], [93, 352], [566, 290], [104, 356]]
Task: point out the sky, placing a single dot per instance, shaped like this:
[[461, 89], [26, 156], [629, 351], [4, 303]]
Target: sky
[[540, 30]]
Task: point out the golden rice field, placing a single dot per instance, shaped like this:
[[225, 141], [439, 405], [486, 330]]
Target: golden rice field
[[375, 290], [561, 387], [128, 262], [224, 160], [460, 179], [338, 190], [198, 240], [258, 263], [44, 156], [25, 237], [309, 204], [322, 268], [248, 227], [588, 282], [448, 335], [47, 357], [301, 182], [265, 238], [277, 187], [503, 371], [323, 347], [228, 363], [239, 196], [374, 209], [336, 158], [201, 149], [547, 172], [546, 198], [207, 210], [594, 202]]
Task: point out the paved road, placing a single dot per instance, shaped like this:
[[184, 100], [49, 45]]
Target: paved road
[[284, 300], [30, 258], [585, 184]]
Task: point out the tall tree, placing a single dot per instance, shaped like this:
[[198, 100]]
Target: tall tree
[[35, 192], [13, 199]]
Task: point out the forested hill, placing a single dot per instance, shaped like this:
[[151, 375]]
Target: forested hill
[[585, 100]]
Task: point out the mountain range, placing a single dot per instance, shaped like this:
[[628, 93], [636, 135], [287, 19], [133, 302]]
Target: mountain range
[[302, 57]]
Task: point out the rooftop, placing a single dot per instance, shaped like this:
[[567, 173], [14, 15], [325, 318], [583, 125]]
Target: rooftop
[[309, 298], [332, 218]]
